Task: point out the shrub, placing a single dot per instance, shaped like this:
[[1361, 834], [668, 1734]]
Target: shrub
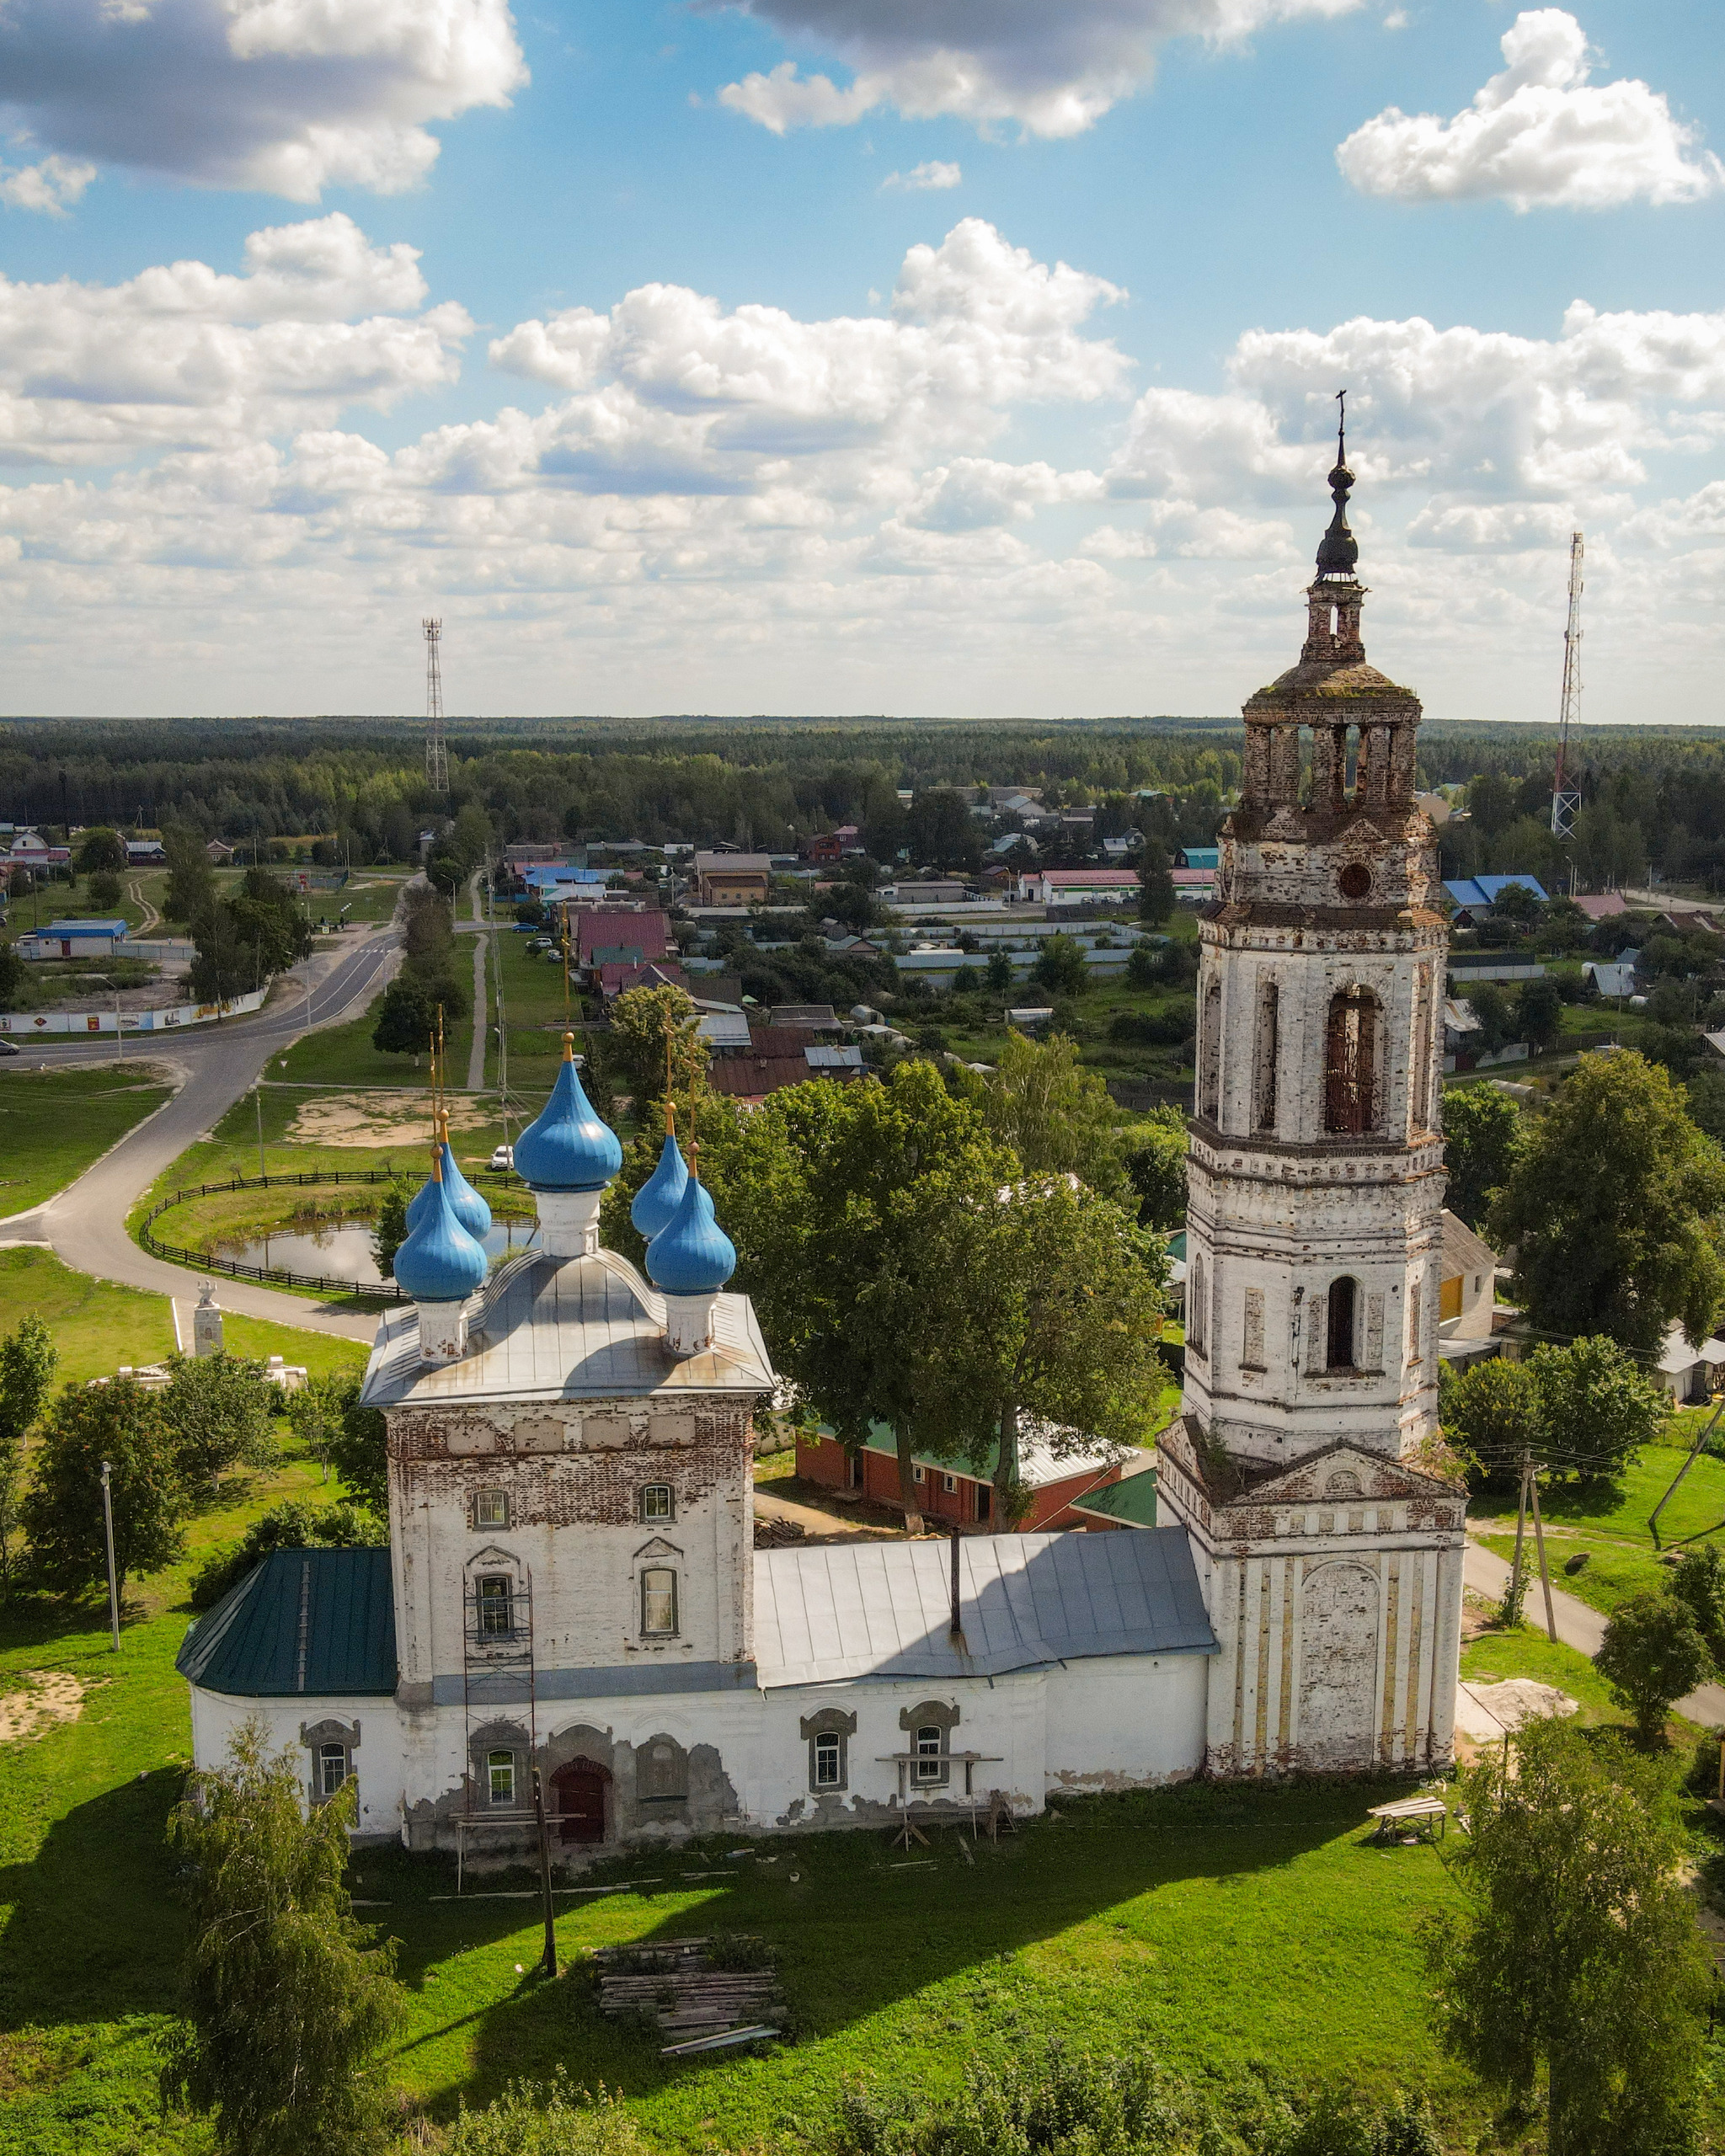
[[532, 2120], [292, 1525]]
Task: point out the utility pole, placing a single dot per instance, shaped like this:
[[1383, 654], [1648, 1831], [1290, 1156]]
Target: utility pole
[[436, 754], [108, 1531], [548, 1960], [1539, 1536], [257, 1096], [1566, 799], [1514, 1602]]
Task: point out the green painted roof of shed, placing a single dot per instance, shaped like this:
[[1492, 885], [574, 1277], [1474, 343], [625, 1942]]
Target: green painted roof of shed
[[1131, 1501], [311, 1621]]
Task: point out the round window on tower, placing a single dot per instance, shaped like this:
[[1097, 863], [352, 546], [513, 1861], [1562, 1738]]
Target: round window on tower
[[1355, 880]]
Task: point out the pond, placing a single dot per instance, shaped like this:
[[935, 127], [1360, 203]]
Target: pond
[[341, 1250]]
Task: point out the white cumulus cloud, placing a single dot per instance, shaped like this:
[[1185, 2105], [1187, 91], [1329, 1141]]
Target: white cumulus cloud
[[285, 96], [51, 186], [929, 177], [185, 355], [1540, 135], [1055, 70]]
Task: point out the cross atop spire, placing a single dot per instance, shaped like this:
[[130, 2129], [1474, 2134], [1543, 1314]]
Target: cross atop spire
[[1338, 551]]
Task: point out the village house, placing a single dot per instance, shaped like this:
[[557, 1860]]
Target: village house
[[732, 879]]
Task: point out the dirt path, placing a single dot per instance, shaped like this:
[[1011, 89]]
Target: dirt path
[[152, 919]]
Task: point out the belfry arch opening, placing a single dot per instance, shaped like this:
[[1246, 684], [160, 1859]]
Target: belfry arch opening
[[1338, 1346], [1350, 1064]]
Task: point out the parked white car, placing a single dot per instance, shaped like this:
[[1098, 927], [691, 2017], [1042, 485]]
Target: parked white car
[[504, 1157]]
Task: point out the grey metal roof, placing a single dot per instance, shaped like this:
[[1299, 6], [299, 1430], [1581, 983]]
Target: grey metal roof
[[567, 1328], [883, 1608], [317, 1621]]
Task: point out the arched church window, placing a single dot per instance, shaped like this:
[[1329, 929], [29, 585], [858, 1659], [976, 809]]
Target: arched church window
[[1210, 1082], [1342, 1297], [1195, 1307], [658, 1600], [662, 1771], [1350, 1063], [494, 1595], [500, 1777]]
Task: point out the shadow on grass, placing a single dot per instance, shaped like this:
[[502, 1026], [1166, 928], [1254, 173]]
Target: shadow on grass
[[854, 1923], [94, 1929]]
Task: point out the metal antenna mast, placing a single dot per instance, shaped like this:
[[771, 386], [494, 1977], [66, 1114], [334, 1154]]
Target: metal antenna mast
[[1566, 799], [436, 757]]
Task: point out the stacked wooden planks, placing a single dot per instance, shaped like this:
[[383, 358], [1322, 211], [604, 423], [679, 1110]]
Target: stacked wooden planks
[[673, 1980]]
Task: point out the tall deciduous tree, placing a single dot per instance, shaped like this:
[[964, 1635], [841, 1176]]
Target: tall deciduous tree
[[1652, 1654], [191, 881], [1155, 1158], [1613, 1205], [61, 1512], [289, 2002], [840, 1200], [100, 852], [1056, 1115], [28, 1360], [217, 1409], [406, 1022], [1482, 1130], [1578, 1951], [645, 1022], [1057, 1331]]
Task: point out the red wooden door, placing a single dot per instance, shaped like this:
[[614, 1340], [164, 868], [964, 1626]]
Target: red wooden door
[[580, 1791]]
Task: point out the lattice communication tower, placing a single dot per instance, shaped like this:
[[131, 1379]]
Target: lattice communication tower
[[436, 755], [1566, 799]]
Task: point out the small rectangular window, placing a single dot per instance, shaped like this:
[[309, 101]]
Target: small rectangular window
[[829, 1768], [658, 1601], [949, 1483], [490, 1508], [915, 1474], [927, 1765], [656, 1501], [332, 1768], [501, 1776], [495, 1596]]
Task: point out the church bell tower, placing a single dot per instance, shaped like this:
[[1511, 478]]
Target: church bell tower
[[1315, 1185]]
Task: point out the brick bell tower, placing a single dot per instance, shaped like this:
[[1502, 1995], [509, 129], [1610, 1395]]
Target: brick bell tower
[[1316, 1185]]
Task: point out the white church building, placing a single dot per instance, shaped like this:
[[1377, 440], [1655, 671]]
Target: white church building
[[571, 1604]]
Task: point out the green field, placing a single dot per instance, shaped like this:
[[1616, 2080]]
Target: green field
[[1609, 1522], [53, 1123], [98, 1324]]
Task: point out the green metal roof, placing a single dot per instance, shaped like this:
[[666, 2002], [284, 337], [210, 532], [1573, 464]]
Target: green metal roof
[[1132, 1502], [313, 1621]]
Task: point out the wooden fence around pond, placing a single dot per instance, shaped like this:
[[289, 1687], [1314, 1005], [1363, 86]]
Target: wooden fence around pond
[[271, 1276]]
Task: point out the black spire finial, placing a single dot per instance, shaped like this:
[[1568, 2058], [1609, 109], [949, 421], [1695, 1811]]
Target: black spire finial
[[1338, 551]]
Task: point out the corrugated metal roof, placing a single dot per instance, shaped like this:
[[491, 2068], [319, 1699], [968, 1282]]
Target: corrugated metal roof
[[313, 1621], [725, 1028], [883, 1608], [567, 1328]]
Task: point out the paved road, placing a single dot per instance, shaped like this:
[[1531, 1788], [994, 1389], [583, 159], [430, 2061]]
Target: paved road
[[1577, 1625], [85, 1225]]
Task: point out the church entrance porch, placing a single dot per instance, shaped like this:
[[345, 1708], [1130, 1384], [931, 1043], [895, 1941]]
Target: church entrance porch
[[579, 1795]]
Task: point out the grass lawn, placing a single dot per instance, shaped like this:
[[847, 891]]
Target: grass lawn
[[1127, 1921], [1613, 1572], [98, 1324], [53, 1123], [1523, 1651]]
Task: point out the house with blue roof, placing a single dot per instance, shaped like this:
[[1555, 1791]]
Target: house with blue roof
[[1475, 895]]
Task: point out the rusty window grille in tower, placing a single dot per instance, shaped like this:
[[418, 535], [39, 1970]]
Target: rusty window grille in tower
[[1350, 1064]]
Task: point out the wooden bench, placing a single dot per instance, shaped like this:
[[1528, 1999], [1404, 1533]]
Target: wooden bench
[[1427, 1815]]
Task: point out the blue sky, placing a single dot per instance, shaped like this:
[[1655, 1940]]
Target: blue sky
[[799, 358]]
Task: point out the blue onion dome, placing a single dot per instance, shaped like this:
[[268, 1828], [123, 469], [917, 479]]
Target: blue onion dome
[[568, 1147], [692, 1254], [440, 1262], [658, 1198], [468, 1207]]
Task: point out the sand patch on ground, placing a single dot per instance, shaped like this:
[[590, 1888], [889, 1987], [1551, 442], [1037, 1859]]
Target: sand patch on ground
[[381, 1118], [1489, 1711], [50, 1695]]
